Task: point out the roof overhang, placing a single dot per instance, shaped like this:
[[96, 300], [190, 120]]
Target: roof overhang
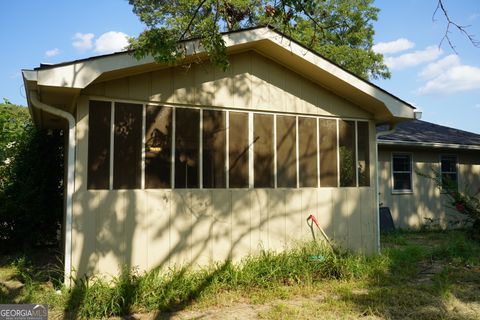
[[60, 84], [434, 145]]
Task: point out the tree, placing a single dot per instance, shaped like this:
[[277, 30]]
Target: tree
[[340, 30], [31, 173]]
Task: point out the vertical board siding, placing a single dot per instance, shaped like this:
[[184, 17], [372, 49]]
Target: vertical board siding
[[197, 226]]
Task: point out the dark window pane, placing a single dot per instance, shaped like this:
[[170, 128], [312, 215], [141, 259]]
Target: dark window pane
[[187, 127], [402, 181], [346, 133], [263, 151], [307, 147], [214, 149], [286, 152], [449, 172], [99, 122], [402, 172], [238, 150], [158, 147], [127, 146], [363, 154], [401, 163], [328, 153], [449, 164], [238, 153]]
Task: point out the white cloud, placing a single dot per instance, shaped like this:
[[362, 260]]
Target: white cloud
[[449, 76], [438, 67], [395, 46], [83, 41], [414, 58], [111, 41], [52, 53]]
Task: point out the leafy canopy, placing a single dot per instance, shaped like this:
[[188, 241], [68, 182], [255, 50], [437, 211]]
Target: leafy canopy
[[340, 30]]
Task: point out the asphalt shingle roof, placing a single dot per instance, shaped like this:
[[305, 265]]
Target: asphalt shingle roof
[[417, 131]]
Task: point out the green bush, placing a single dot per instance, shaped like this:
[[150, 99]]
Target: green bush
[[31, 188]]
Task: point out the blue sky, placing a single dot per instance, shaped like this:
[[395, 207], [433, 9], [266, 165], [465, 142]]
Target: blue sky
[[443, 84]]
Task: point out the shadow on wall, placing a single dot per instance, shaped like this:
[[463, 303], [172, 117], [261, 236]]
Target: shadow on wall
[[162, 227]]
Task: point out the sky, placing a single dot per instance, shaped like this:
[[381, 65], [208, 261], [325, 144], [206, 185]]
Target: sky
[[444, 84]]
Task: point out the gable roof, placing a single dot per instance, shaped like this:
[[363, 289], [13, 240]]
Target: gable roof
[[426, 134], [69, 78]]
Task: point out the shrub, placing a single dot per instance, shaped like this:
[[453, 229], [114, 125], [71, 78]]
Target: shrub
[[31, 188]]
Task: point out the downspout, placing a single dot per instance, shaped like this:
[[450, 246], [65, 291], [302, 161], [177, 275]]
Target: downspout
[[377, 196], [70, 179]]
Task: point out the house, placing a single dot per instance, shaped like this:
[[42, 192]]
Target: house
[[188, 164], [414, 149]]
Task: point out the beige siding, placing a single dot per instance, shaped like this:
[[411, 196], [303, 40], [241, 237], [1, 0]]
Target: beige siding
[[152, 228], [252, 82], [425, 202]]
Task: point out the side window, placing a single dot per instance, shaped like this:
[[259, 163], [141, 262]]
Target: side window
[[127, 155], [263, 151], [214, 149], [363, 165], [238, 150], [99, 126], [448, 164], [307, 145], [158, 147], [328, 153], [348, 173], [402, 172], [187, 143], [286, 152]]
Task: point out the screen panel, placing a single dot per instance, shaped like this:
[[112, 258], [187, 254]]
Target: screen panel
[[99, 126]]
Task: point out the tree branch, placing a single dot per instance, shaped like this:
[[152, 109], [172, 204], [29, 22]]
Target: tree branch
[[451, 23], [191, 20]]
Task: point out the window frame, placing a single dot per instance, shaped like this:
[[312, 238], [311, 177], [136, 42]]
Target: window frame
[[392, 171], [250, 115], [448, 172]]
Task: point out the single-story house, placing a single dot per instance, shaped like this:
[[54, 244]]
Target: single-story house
[[414, 149], [188, 164]]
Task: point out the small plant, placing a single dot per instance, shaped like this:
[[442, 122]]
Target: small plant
[[24, 270]]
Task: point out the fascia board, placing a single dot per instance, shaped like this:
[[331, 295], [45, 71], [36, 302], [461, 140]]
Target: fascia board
[[436, 145]]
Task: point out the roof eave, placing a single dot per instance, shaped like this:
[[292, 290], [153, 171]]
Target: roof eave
[[436, 145]]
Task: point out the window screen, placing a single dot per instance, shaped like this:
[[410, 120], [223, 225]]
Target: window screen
[[363, 165], [263, 151], [127, 146], [346, 133], [328, 153], [187, 129], [214, 149], [402, 172], [158, 147], [238, 150], [307, 145], [286, 152], [99, 122], [449, 172]]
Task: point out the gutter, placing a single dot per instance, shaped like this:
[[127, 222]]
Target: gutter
[[427, 144], [70, 178], [377, 197]]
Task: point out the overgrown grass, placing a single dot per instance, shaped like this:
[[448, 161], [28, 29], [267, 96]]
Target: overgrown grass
[[389, 278]]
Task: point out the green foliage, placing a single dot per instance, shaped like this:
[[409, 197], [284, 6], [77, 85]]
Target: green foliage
[[31, 172], [433, 264], [340, 30], [464, 201]]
